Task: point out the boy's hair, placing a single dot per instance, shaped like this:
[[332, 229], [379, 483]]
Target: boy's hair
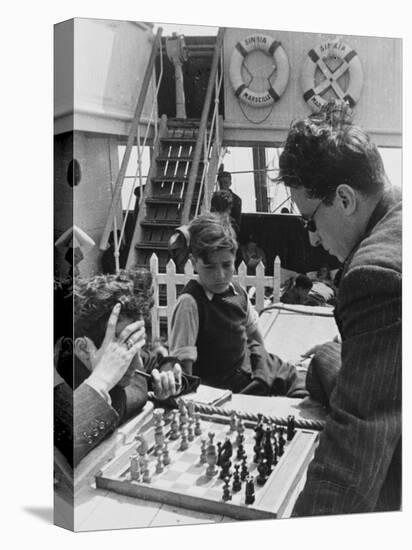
[[303, 281], [95, 298], [221, 202], [210, 233], [326, 150]]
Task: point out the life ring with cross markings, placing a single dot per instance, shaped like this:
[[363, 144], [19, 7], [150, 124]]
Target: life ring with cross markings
[[274, 91], [351, 63]]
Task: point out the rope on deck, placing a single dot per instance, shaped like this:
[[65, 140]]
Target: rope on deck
[[299, 422]]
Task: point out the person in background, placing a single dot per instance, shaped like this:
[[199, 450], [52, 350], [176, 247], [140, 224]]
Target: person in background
[[225, 181], [337, 180], [252, 255], [221, 204], [298, 293], [214, 328]]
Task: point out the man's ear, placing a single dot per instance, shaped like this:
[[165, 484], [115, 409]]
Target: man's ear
[[83, 347], [346, 198]]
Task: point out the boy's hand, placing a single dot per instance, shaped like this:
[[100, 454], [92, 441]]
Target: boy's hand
[[168, 382], [110, 362]]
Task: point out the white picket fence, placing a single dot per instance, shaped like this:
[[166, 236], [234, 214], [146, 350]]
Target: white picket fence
[[171, 280]]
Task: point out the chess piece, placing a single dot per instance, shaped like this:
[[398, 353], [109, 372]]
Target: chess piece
[[143, 447], [240, 452], [146, 475], [263, 472], [159, 435], [250, 491], [268, 449], [244, 472], [198, 429], [237, 484], [211, 457], [174, 427], [291, 427], [219, 453], [134, 467], [190, 431], [203, 452], [183, 415], [184, 444], [240, 430], [191, 409], [143, 463], [166, 456], [227, 448], [281, 442], [233, 422], [159, 464], [225, 472], [226, 490]]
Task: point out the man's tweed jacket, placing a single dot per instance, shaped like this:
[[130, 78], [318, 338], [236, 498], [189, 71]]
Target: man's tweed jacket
[[357, 466]]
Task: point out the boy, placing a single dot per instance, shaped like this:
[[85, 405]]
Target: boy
[[214, 332], [99, 387]]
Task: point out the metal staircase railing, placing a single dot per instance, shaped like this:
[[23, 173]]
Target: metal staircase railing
[[202, 141], [134, 137]]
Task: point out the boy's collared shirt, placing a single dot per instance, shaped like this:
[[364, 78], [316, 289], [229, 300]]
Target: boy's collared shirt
[[183, 338]]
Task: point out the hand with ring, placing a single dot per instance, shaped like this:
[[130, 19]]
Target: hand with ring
[[110, 362]]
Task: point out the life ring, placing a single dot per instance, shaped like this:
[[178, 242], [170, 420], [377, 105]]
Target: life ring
[[274, 49], [350, 62]]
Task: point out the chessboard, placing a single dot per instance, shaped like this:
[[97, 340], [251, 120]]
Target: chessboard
[[214, 464]]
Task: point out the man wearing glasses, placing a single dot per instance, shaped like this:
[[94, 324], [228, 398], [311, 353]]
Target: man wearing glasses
[[337, 180]]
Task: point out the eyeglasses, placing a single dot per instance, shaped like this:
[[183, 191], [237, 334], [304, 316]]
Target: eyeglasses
[[310, 224]]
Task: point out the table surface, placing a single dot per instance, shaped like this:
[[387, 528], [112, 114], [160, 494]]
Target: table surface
[[97, 509]]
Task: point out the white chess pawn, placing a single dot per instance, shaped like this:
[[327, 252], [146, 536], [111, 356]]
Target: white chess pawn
[[134, 467]]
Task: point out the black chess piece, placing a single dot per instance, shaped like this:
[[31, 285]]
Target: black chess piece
[[281, 441], [227, 495], [225, 472], [250, 491], [227, 450], [244, 472], [219, 453], [263, 469], [291, 427], [240, 452], [237, 484]]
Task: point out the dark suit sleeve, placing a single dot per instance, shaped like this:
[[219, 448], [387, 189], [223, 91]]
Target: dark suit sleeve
[[94, 420], [357, 457]]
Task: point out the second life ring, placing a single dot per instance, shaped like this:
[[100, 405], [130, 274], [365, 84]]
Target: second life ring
[[312, 93], [274, 49]]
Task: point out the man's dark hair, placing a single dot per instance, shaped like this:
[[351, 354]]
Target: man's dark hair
[[326, 150], [210, 233], [224, 175], [95, 298], [303, 281], [221, 202]]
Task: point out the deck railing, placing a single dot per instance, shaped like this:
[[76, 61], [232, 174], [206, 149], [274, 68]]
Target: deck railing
[[171, 281]]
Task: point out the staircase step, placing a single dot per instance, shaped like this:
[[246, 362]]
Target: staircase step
[[183, 123], [177, 159], [152, 245], [160, 223], [160, 179], [164, 199], [177, 140]]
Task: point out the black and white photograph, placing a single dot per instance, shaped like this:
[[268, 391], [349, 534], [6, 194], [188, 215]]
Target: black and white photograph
[[228, 267], [222, 291]]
